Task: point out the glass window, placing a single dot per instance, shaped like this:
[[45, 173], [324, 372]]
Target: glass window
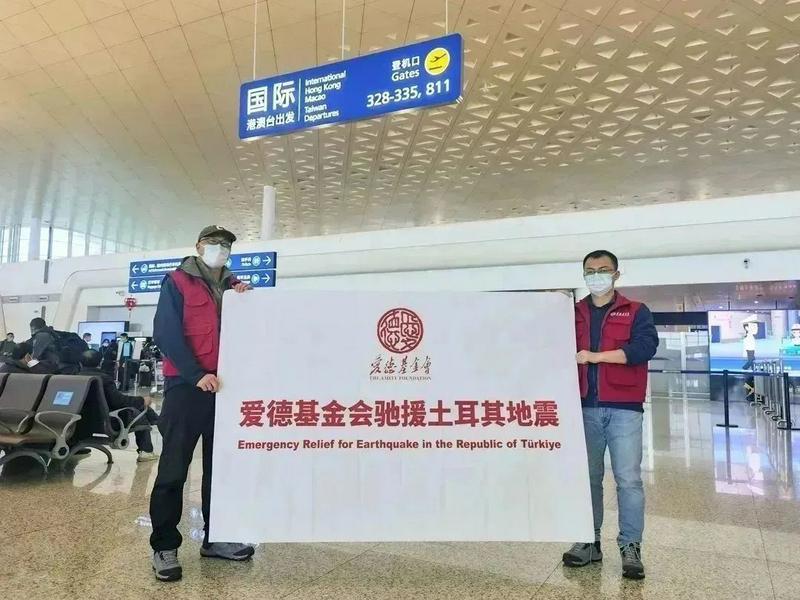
[[44, 238], [24, 243], [5, 239], [78, 244], [95, 246], [60, 243], [111, 247]]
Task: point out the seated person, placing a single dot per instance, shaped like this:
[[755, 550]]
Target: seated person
[[67, 363], [90, 365], [21, 361]]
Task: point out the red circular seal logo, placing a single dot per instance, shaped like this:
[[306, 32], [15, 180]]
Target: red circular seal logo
[[400, 330]]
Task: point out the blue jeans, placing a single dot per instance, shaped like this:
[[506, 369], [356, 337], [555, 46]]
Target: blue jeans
[[621, 431]]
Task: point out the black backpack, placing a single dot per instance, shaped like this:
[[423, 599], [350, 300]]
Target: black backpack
[[70, 346]]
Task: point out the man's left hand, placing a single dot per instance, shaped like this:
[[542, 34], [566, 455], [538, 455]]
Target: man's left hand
[[241, 287]]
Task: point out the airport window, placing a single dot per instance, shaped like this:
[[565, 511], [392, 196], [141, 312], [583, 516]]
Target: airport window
[[95, 246], [24, 243], [60, 243], [44, 240], [78, 244], [5, 238]]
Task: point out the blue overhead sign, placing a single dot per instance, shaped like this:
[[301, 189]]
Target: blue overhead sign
[[253, 262], [143, 285], [257, 269], [148, 268], [424, 74], [257, 278]]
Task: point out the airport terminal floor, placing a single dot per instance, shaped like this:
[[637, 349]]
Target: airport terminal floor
[[723, 521]]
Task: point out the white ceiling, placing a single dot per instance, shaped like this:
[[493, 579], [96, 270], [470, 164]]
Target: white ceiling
[[119, 116]]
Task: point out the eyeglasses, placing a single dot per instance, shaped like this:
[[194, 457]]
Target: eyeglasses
[[216, 242], [601, 270]]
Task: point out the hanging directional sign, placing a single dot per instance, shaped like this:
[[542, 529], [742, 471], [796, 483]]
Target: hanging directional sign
[[252, 262], [257, 269], [424, 74], [142, 285], [149, 268], [257, 278]]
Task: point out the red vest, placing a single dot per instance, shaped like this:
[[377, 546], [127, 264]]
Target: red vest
[[615, 383], [200, 322]]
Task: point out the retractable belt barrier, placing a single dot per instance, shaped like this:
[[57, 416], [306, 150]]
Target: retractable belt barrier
[[771, 391]]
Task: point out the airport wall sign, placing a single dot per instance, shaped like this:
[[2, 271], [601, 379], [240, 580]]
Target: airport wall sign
[[419, 75], [256, 268]]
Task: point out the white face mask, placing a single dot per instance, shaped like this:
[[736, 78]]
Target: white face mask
[[599, 283], [215, 256]]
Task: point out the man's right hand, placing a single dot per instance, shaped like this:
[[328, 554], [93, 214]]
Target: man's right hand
[[209, 383]]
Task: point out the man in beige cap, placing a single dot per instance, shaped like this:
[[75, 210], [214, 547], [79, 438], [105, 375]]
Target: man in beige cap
[[187, 330]]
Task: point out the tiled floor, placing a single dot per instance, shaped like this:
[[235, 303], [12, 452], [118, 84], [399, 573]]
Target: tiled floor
[[723, 521]]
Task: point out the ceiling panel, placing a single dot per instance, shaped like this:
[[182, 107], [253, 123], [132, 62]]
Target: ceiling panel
[[130, 105]]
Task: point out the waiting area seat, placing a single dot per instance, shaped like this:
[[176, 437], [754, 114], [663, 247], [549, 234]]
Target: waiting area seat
[[47, 417]]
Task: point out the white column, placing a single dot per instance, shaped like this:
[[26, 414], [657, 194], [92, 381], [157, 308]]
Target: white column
[[268, 210]]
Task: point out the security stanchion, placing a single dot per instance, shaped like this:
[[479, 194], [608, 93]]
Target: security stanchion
[[726, 403]]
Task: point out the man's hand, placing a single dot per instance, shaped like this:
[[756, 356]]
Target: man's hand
[[147, 401], [209, 383], [241, 287], [613, 357]]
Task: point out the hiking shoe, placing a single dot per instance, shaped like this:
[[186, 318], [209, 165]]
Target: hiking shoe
[[166, 565], [581, 555], [227, 551], [146, 457], [632, 567]]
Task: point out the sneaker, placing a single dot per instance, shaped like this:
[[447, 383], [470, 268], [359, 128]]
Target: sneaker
[[581, 555], [146, 457], [632, 567], [227, 550], [166, 565]]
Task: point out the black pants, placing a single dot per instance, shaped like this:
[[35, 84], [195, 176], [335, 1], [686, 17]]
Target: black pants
[[144, 442], [751, 357], [187, 414]]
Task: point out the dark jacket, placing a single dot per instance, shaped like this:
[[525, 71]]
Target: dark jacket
[[109, 358], [7, 348], [44, 346], [68, 369], [623, 325], [187, 324], [43, 367], [114, 397], [126, 351]]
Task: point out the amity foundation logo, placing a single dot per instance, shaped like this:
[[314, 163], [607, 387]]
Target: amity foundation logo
[[400, 332]]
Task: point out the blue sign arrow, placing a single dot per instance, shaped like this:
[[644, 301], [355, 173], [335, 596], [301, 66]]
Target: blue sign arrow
[[146, 268], [253, 262], [257, 279], [424, 74], [143, 285]]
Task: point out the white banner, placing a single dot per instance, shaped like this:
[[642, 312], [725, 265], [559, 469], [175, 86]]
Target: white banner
[[349, 416]]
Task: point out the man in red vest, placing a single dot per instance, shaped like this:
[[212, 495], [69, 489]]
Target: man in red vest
[[187, 330], [616, 338]]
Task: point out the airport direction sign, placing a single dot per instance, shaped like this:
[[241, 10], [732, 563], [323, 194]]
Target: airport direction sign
[[419, 75]]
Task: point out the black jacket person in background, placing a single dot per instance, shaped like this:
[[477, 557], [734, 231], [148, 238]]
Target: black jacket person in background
[[43, 341], [8, 345], [21, 361], [90, 365]]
